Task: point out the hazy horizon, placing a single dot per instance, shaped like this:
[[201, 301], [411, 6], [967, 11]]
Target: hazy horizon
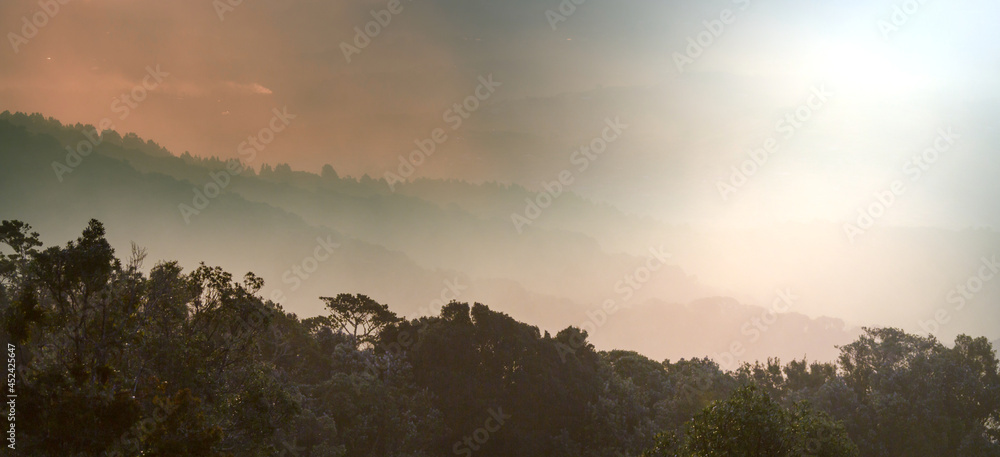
[[891, 88], [843, 151]]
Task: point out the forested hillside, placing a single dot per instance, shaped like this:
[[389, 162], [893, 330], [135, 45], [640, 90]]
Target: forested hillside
[[433, 247], [113, 361]]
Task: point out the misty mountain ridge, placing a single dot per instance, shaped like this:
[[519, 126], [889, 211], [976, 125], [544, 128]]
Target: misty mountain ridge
[[431, 241]]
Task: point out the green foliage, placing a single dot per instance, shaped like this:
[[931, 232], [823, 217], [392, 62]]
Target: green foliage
[[751, 424], [915, 396], [359, 316], [116, 362], [748, 424]]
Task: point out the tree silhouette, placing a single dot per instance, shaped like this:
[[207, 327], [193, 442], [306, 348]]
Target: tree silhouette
[[359, 316]]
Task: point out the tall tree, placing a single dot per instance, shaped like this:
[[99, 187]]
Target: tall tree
[[359, 316]]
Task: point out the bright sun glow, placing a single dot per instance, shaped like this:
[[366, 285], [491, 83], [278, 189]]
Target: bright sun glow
[[864, 67]]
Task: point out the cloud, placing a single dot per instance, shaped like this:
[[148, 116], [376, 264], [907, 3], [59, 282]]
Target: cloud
[[251, 88]]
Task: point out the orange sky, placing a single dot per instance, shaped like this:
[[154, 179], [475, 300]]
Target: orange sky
[[687, 129]]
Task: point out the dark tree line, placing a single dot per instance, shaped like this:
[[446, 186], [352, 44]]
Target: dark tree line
[[112, 361]]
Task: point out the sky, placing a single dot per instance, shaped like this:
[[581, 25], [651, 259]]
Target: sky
[[893, 75]]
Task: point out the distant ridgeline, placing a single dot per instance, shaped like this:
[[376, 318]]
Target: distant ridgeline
[[433, 237], [177, 358]]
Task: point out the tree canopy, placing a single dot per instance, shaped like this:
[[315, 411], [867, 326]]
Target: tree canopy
[[114, 361]]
